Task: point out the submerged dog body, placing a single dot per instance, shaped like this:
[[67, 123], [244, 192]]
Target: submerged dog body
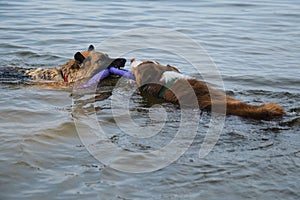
[[82, 67], [168, 83]]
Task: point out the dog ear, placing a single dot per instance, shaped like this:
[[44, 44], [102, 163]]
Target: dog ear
[[172, 68], [91, 48], [79, 57]]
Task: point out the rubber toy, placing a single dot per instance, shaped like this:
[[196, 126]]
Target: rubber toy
[[105, 73]]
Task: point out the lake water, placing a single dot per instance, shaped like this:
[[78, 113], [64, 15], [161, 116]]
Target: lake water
[[256, 49]]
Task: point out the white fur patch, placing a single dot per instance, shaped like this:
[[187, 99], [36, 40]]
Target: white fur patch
[[171, 75]]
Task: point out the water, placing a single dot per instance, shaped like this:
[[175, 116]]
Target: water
[[256, 47]]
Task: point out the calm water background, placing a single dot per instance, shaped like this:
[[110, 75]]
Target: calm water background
[[256, 47]]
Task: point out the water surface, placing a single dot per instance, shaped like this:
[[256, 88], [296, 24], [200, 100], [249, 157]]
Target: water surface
[[256, 47]]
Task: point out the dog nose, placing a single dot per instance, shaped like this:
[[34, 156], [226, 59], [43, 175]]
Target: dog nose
[[132, 60], [118, 63], [121, 62]]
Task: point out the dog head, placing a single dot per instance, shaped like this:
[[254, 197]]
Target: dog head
[[150, 72], [90, 62]]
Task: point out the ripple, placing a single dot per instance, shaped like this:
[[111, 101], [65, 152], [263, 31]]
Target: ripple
[[256, 47]]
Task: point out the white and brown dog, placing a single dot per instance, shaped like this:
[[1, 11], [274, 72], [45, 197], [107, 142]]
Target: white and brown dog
[[168, 83]]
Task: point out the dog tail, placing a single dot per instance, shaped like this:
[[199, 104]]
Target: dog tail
[[266, 111]]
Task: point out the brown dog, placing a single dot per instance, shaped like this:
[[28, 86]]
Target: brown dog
[[168, 83], [82, 67]]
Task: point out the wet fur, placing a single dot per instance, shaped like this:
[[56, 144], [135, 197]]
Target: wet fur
[[82, 67], [148, 76]]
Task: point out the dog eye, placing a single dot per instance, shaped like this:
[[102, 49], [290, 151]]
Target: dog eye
[[103, 57]]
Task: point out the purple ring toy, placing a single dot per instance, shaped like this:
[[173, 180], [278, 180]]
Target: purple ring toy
[[122, 72], [105, 73]]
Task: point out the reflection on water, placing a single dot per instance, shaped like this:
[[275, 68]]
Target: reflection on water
[[256, 48]]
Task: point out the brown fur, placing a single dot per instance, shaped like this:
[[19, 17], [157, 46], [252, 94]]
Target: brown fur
[[183, 91], [63, 73], [82, 67]]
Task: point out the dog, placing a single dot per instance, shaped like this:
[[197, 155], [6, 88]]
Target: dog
[[166, 82], [82, 67]]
